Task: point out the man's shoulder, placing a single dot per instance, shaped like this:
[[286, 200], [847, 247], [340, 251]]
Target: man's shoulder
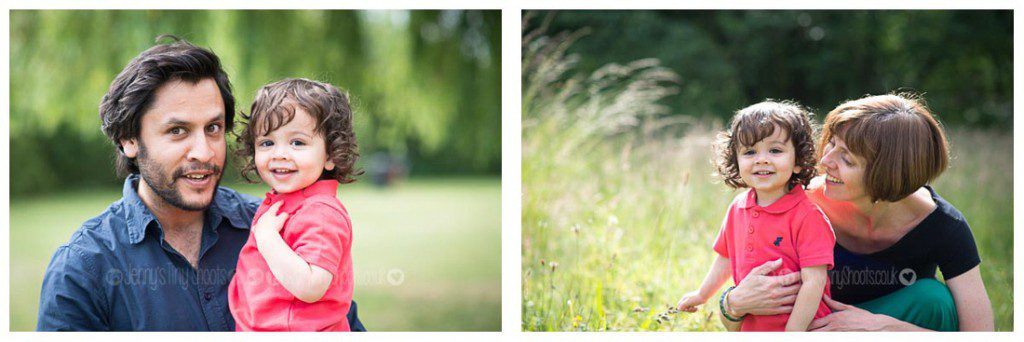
[[96, 237]]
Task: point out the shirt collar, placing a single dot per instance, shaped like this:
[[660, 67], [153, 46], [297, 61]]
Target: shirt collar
[[293, 200], [139, 218], [781, 205]]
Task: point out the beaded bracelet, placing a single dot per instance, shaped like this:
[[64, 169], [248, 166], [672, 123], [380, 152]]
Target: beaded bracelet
[[721, 306]]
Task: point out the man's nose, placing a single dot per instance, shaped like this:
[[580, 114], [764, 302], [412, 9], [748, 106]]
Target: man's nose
[[202, 148]]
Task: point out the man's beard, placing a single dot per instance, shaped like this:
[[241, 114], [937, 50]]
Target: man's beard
[[163, 185]]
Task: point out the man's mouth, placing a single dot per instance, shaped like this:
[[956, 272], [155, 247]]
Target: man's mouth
[[199, 178]]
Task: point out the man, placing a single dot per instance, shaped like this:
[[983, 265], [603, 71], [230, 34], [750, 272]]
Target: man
[[161, 257]]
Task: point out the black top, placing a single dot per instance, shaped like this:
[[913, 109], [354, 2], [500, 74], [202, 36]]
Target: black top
[[943, 239]]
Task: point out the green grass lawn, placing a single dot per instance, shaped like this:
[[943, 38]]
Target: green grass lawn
[[616, 230], [440, 237]]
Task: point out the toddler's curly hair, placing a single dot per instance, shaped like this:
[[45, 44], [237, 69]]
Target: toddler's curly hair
[[759, 121], [275, 106]]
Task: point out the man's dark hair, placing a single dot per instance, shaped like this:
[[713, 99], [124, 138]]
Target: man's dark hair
[[131, 92]]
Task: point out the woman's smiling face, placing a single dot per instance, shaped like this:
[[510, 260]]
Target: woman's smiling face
[[844, 172]]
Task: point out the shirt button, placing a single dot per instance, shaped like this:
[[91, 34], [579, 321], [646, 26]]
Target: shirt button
[[750, 248], [750, 230], [208, 296], [755, 214]]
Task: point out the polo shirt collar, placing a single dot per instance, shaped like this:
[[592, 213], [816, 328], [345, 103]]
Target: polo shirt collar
[[293, 200], [781, 205], [139, 218]]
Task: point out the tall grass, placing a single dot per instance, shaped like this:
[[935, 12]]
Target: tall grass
[[620, 208]]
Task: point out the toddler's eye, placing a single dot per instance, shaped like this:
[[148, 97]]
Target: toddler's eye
[[265, 143], [776, 150], [748, 152], [298, 143]]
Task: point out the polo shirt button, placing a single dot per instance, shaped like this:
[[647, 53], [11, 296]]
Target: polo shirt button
[[755, 214], [750, 230], [750, 248], [208, 296]]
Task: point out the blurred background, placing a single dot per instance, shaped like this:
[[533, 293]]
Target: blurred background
[[425, 87], [620, 108]]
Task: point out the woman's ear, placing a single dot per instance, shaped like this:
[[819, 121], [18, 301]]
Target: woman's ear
[[130, 148]]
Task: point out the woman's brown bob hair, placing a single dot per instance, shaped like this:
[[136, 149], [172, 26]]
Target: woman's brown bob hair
[[758, 122], [904, 146], [275, 106]]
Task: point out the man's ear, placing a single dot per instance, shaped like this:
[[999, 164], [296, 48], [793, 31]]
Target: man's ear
[[130, 147]]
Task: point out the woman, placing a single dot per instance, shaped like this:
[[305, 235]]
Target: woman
[[892, 230]]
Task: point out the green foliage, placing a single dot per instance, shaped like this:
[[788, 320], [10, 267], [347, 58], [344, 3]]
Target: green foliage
[[618, 223], [423, 83], [961, 60], [449, 286]]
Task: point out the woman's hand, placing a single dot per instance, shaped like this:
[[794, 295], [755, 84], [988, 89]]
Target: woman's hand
[[762, 294], [851, 318], [270, 222]]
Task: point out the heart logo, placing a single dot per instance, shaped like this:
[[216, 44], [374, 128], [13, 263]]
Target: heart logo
[[908, 277], [396, 277]]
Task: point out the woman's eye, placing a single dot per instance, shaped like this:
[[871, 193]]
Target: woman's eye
[[265, 143], [846, 161]]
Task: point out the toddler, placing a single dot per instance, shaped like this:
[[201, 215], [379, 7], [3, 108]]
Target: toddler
[[295, 271], [770, 149]]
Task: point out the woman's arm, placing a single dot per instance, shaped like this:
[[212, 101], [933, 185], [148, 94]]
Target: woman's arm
[[973, 307], [718, 274], [808, 298], [761, 294], [845, 317], [306, 282]]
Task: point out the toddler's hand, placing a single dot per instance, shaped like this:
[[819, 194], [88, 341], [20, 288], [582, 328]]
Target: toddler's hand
[[271, 222], [691, 301]]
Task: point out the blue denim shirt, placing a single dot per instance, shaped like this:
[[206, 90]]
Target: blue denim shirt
[[118, 273]]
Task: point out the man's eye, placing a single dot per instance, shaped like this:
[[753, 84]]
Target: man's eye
[[214, 128], [265, 143], [177, 131]]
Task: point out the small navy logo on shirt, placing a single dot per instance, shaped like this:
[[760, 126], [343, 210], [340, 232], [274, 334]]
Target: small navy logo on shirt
[[778, 240]]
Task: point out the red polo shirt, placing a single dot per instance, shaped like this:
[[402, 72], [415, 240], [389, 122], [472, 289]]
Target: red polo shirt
[[792, 228], [319, 230]]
